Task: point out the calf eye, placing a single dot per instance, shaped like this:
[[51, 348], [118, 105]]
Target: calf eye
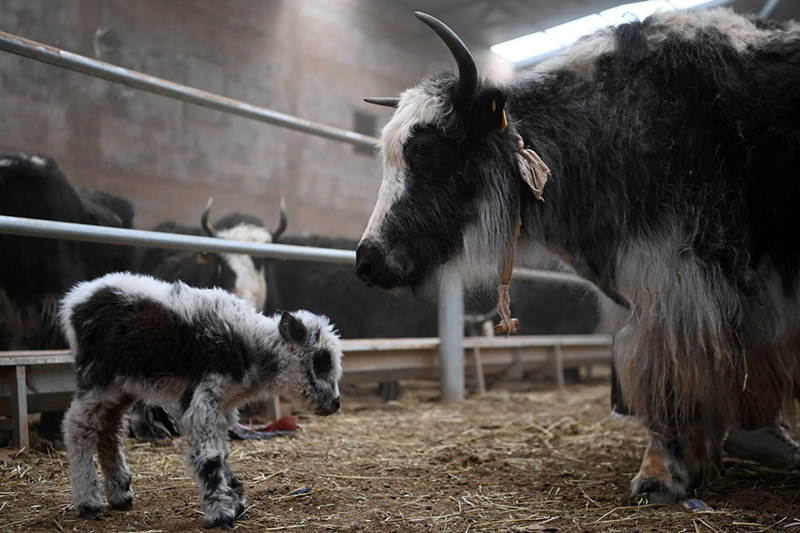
[[322, 363]]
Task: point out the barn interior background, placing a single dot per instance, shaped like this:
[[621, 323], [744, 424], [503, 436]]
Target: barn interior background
[[314, 59]]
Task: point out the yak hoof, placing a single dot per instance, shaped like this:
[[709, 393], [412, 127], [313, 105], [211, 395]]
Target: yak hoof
[[656, 491], [124, 505]]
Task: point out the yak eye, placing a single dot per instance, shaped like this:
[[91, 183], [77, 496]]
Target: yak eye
[[422, 148], [322, 363]]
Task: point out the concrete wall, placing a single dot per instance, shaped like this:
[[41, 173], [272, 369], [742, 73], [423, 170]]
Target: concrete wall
[[314, 59]]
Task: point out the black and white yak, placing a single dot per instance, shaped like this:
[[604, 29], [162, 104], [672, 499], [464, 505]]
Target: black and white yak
[[661, 159], [204, 350]]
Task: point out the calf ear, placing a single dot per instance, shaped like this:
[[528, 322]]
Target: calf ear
[[490, 110], [291, 328]]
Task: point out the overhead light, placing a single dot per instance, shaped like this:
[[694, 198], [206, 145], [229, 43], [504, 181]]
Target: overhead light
[[635, 11], [686, 4], [569, 32], [531, 45], [541, 43]]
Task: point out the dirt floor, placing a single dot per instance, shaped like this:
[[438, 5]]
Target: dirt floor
[[528, 459]]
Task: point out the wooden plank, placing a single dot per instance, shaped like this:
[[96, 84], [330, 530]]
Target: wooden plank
[[19, 408], [37, 357], [558, 363], [477, 364]]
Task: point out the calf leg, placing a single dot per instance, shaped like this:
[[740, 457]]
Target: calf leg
[[82, 425], [116, 474], [205, 427], [231, 419]]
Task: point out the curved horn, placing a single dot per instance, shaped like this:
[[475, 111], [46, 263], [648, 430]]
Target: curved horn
[[384, 101], [208, 228], [282, 223], [467, 70]]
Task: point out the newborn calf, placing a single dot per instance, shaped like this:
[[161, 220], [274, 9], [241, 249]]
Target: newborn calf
[[134, 337]]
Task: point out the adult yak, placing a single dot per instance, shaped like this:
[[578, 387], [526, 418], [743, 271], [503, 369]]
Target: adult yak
[[673, 147]]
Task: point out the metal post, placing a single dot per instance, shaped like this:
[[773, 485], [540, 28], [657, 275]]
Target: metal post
[[451, 333]]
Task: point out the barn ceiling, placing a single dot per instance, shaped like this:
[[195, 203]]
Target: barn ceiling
[[488, 22]]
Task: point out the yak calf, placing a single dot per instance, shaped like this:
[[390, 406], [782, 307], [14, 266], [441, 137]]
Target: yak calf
[[134, 337]]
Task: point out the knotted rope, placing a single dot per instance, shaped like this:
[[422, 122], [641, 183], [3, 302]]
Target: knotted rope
[[533, 172]]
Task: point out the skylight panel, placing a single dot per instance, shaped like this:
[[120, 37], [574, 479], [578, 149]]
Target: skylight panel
[[635, 11], [531, 45], [569, 32], [541, 43]]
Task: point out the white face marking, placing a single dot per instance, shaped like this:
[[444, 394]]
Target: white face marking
[[5, 162], [416, 107], [251, 284], [38, 160]]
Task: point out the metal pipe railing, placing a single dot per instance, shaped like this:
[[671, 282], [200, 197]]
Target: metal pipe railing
[[29, 227], [550, 276], [131, 78]]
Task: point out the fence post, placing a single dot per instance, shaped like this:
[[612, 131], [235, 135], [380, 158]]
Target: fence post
[[451, 334]]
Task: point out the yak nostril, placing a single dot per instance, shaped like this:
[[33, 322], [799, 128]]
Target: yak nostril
[[363, 267], [335, 404]]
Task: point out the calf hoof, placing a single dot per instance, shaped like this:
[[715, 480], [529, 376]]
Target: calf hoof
[[89, 511], [122, 505], [240, 508], [222, 521]]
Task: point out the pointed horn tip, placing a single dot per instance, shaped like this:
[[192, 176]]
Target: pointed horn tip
[[467, 70], [383, 101]]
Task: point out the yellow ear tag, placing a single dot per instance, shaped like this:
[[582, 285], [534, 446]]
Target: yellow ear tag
[[494, 105], [504, 124]]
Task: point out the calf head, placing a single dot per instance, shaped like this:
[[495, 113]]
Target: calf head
[[450, 179], [315, 361]]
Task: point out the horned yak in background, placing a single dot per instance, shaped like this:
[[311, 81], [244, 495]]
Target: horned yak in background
[[243, 275], [661, 160]]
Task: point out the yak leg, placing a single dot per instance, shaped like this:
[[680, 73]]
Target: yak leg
[[82, 424], [116, 474], [205, 427], [672, 468]]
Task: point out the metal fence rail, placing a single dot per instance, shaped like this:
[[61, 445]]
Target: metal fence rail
[[51, 229]]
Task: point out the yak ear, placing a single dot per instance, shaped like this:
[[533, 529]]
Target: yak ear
[[490, 109], [291, 328]]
